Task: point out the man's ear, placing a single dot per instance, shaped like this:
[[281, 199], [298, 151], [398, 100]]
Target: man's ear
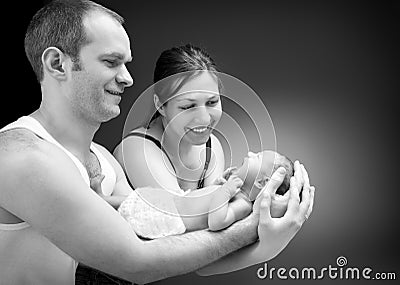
[[53, 60], [158, 105]]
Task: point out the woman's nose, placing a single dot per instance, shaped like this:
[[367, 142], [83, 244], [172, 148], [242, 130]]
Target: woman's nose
[[203, 115]]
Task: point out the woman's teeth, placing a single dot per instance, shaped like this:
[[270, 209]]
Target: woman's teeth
[[199, 130]]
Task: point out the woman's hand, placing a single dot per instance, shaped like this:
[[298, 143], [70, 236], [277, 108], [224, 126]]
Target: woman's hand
[[275, 233]]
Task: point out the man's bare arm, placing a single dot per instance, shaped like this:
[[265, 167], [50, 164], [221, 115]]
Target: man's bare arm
[[43, 187]]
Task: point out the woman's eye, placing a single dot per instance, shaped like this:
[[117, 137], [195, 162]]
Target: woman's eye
[[187, 107], [213, 103]]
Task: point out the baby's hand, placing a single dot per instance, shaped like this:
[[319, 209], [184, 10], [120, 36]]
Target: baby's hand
[[219, 181], [233, 185], [225, 176]]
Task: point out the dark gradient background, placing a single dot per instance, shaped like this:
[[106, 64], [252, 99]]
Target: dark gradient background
[[328, 72]]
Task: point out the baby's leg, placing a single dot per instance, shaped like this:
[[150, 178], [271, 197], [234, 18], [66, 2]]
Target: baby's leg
[[241, 206], [221, 215]]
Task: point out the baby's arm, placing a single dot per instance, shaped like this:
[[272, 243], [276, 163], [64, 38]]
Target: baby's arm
[[225, 176], [210, 207], [222, 211]]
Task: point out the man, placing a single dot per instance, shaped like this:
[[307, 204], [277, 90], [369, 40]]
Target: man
[[50, 218]]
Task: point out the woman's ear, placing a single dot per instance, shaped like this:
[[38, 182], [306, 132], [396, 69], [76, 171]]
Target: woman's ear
[[53, 60], [158, 105]]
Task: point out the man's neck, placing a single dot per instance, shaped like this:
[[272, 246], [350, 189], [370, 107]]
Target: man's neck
[[72, 132]]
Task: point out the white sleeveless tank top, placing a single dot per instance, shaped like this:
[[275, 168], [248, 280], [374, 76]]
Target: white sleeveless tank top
[[26, 257]]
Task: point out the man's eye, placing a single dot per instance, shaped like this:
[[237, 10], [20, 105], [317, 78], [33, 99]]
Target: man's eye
[[110, 62]]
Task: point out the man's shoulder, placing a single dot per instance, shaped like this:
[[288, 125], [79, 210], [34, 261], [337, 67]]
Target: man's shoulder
[[19, 139], [21, 148]]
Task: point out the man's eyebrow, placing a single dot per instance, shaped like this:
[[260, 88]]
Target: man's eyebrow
[[118, 55]]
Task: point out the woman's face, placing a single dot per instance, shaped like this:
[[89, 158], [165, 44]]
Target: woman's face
[[194, 112]]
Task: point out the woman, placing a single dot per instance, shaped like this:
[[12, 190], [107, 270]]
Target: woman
[[176, 149]]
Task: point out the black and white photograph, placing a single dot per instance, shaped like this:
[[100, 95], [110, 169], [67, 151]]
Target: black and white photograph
[[200, 142]]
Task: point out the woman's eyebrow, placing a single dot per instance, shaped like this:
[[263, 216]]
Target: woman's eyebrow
[[186, 99], [195, 100]]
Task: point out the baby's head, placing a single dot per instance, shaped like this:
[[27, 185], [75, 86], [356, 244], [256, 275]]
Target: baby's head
[[257, 169]]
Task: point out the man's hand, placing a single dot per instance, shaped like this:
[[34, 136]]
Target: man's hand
[[279, 202], [275, 233]]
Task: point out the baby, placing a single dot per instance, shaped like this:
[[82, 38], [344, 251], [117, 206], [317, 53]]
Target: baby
[[256, 170], [154, 212]]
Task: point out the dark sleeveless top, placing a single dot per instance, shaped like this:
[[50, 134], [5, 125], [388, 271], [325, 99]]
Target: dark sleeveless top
[[200, 183]]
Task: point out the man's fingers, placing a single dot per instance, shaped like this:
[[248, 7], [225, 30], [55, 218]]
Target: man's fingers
[[310, 208], [298, 173], [305, 201], [256, 205], [275, 181], [294, 199], [265, 206], [305, 175]]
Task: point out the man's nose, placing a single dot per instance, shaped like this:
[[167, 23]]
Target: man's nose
[[124, 77]]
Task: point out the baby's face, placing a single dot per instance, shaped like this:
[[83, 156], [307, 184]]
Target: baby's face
[[258, 168]]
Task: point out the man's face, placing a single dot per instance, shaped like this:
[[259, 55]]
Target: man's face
[[97, 88]]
